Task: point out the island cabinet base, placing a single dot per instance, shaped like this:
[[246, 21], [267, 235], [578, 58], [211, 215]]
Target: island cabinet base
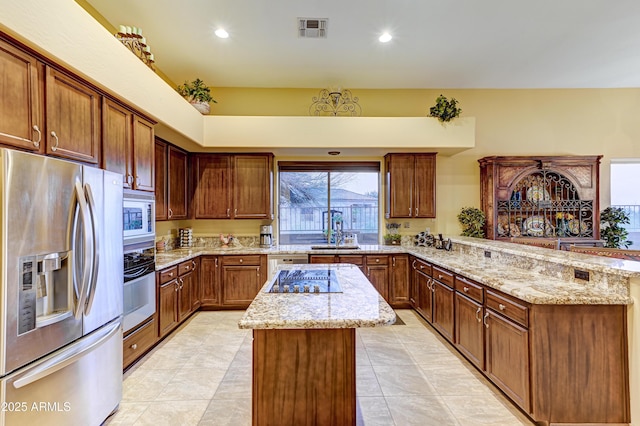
[[304, 377]]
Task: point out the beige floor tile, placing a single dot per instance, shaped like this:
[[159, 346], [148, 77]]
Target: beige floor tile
[[227, 412], [388, 354], [367, 382], [127, 414], [146, 385], [420, 411], [454, 380], [483, 410], [192, 383], [173, 413], [236, 384], [207, 357], [373, 412], [402, 380]]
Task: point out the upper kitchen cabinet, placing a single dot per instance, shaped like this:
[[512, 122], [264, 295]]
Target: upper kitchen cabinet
[[233, 186], [171, 181], [410, 185], [21, 119], [72, 117], [541, 197], [128, 145]]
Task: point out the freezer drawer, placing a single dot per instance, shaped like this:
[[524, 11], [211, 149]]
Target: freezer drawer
[[80, 384]]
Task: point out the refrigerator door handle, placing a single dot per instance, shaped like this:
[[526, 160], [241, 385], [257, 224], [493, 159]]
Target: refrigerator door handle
[[81, 288], [91, 291], [68, 356]]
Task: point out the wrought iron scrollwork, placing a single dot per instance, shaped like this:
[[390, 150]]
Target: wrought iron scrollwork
[[335, 103]]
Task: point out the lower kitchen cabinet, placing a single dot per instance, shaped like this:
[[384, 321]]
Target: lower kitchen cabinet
[[178, 286], [167, 306], [242, 277], [136, 343], [399, 281], [377, 271], [443, 302], [210, 282], [422, 289], [469, 311]]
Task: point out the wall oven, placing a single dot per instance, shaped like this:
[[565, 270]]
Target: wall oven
[[139, 283], [138, 216]]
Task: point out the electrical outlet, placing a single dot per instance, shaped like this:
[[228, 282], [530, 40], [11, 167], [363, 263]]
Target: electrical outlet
[[407, 224], [427, 230], [487, 254], [581, 275]]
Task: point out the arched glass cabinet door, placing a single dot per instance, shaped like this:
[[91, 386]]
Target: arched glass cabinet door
[[545, 204]]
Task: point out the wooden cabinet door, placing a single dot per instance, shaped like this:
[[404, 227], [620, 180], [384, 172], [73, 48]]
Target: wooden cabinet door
[[212, 181], [196, 289], [210, 281], [252, 186], [177, 183], [73, 118], [399, 280], [378, 275], [507, 357], [117, 147], [424, 203], [185, 285], [414, 289], [443, 309], [400, 185], [21, 121], [425, 301], [161, 180], [240, 284], [143, 154], [469, 329], [167, 307]]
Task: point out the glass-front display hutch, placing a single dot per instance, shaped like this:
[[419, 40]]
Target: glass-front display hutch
[[541, 197]]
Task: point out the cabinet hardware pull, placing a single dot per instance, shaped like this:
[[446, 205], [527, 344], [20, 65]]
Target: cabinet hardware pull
[[502, 307], [228, 210], [235, 212], [181, 282], [377, 260], [241, 260], [134, 346], [409, 211], [258, 271], [368, 271], [170, 212], [393, 260], [175, 285], [413, 264], [416, 212], [477, 312], [484, 320], [193, 264], [37, 143], [129, 179], [54, 148], [137, 181], [439, 276], [421, 266], [465, 289], [170, 274], [216, 262]]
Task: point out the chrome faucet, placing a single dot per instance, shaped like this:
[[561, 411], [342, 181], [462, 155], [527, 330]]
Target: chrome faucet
[[338, 236]]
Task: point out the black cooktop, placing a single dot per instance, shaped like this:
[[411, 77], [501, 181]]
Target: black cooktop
[[306, 281]]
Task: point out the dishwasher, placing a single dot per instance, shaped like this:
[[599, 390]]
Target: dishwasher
[[274, 260]]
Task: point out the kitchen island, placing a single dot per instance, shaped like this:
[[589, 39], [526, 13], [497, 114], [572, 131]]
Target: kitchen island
[[304, 348]]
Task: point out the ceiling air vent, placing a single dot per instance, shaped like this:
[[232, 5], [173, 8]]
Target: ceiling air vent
[[312, 27]]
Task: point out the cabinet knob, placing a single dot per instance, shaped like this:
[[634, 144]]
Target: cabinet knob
[[502, 307], [465, 289], [170, 274], [134, 346], [377, 260], [421, 266], [439, 276], [241, 260], [54, 148]]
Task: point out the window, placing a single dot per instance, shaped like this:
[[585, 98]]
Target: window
[[625, 194], [318, 200]]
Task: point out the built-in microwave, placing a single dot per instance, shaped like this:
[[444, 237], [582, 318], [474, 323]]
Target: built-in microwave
[[138, 216]]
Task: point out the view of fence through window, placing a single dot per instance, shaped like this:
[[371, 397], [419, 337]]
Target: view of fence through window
[[314, 205], [625, 194]]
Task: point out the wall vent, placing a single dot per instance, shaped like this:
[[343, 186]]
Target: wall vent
[[312, 27]]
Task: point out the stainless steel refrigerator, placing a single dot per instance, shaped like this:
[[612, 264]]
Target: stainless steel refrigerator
[[61, 266]]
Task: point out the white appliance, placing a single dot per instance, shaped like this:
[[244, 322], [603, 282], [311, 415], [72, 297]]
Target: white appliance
[[61, 291]]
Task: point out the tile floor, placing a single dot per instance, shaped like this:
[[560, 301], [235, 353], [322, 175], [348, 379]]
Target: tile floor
[[406, 375]]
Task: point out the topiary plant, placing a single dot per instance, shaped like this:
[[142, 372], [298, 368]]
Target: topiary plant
[[610, 230], [472, 220], [445, 109]]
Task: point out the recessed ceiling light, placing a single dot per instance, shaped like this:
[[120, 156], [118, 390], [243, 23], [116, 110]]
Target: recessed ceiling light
[[220, 32], [385, 37]]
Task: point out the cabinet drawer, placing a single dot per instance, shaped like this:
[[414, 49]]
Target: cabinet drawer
[[253, 260], [322, 258], [137, 343], [512, 309], [421, 266], [185, 267], [377, 260], [442, 275], [469, 288], [168, 274], [352, 259]]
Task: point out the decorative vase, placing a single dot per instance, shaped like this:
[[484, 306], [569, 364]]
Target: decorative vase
[[203, 107]]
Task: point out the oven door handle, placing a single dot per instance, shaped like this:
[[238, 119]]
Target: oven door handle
[[138, 273]]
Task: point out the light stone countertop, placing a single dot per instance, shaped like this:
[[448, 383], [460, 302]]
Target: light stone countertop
[[515, 269], [358, 305]]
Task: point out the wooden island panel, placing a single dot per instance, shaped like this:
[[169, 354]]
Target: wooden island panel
[[304, 377]]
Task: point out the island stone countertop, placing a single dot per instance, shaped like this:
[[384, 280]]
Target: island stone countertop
[[533, 274], [358, 305]]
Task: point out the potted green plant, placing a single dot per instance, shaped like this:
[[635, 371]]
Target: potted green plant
[[472, 220], [198, 94], [610, 230], [392, 237], [445, 109]]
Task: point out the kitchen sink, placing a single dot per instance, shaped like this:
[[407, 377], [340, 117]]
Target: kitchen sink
[[334, 247]]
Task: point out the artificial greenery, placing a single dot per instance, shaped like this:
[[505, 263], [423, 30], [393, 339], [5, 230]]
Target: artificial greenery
[[196, 91], [393, 236], [445, 109], [610, 230], [472, 220]]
